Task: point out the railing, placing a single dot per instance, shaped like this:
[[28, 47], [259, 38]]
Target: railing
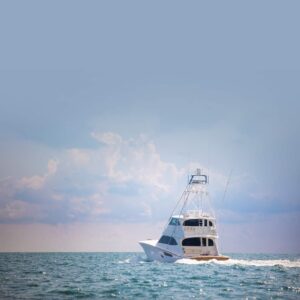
[[199, 230], [197, 214]]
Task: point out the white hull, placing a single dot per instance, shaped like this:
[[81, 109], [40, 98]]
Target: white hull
[[155, 253]]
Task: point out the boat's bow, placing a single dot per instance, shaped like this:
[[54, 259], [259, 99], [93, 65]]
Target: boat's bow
[[154, 252]]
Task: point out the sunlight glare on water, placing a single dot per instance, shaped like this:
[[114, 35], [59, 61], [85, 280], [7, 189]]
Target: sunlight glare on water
[[131, 276]]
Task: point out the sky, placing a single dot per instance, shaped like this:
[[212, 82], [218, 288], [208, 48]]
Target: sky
[[107, 106]]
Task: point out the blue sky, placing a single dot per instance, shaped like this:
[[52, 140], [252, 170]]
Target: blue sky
[[106, 106]]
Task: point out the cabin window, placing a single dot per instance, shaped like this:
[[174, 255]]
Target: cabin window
[[174, 221], [210, 242], [194, 242], [165, 239], [193, 222], [204, 242], [210, 223], [168, 254], [205, 222]]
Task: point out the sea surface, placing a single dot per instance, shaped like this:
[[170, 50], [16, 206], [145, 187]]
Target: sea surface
[[130, 276]]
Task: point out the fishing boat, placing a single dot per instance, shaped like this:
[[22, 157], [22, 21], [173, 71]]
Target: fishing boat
[[189, 233]]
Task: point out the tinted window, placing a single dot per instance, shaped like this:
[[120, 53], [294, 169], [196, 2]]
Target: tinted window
[[210, 223], [167, 240], [174, 221], [204, 242], [193, 222], [205, 222], [191, 242], [210, 242]]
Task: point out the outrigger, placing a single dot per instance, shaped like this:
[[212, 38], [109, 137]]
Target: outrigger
[[189, 233]]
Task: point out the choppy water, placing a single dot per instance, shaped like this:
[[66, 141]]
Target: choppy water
[[130, 276]]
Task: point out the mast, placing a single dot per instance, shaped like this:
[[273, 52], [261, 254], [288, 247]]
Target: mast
[[196, 194]]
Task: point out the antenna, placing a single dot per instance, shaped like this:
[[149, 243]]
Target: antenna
[[227, 184]]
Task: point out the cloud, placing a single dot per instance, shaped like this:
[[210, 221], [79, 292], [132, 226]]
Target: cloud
[[38, 181], [35, 182], [79, 157], [52, 167], [108, 138], [15, 210], [123, 179], [120, 179]]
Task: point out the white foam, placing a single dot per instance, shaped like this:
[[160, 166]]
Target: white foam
[[133, 260], [259, 263], [126, 261], [188, 261]]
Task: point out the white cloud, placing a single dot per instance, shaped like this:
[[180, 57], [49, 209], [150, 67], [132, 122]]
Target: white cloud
[[122, 178], [36, 182], [127, 160], [108, 138], [138, 160]]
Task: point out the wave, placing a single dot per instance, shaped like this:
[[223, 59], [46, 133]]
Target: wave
[[126, 261], [133, 260], [257, 263]]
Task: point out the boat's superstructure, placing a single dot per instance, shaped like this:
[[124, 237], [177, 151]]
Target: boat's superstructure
[[189, 233]]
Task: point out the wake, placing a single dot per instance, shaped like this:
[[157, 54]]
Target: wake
[[243, 262]]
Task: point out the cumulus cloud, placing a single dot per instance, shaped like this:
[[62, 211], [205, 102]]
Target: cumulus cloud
[[123, 179], [120, 179], [38, 181]]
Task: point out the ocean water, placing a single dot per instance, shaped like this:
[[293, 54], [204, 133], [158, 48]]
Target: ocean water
[[130, 276]]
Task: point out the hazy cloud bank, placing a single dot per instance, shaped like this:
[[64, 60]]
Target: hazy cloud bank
[[120, 179]]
